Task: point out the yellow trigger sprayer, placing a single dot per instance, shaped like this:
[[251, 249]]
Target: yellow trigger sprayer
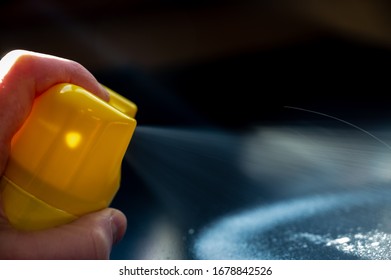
[[66, 159]]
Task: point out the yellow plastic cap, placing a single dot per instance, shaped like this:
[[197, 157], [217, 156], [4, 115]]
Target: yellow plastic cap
[[66, 159]]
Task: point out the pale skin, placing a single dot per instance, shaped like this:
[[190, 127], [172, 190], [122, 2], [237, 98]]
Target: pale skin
[[24, 75]]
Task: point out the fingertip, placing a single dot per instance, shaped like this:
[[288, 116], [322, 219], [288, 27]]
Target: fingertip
[[94, 234], [105, 95], [118, 224], [110, 222]]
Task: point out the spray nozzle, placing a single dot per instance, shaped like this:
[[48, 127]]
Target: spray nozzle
[[65, 161]]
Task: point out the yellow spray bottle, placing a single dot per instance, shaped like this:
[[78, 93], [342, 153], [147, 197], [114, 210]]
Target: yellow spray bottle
[[66, 159]]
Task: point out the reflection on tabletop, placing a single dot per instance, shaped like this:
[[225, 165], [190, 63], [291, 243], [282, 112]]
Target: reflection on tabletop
[[273, 192]]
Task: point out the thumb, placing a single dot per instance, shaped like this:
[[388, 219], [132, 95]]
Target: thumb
[[89, 237], [92, 236]]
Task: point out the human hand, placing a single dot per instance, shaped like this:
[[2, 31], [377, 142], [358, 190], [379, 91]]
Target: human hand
[[24, 75]]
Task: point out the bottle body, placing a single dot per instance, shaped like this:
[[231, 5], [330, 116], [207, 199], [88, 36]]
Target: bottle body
[[65, 160]]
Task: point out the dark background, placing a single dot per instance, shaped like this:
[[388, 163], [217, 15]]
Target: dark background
[[234, 63]]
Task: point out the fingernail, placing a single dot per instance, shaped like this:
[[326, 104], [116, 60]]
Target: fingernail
[[106, 96], [118, 225]]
